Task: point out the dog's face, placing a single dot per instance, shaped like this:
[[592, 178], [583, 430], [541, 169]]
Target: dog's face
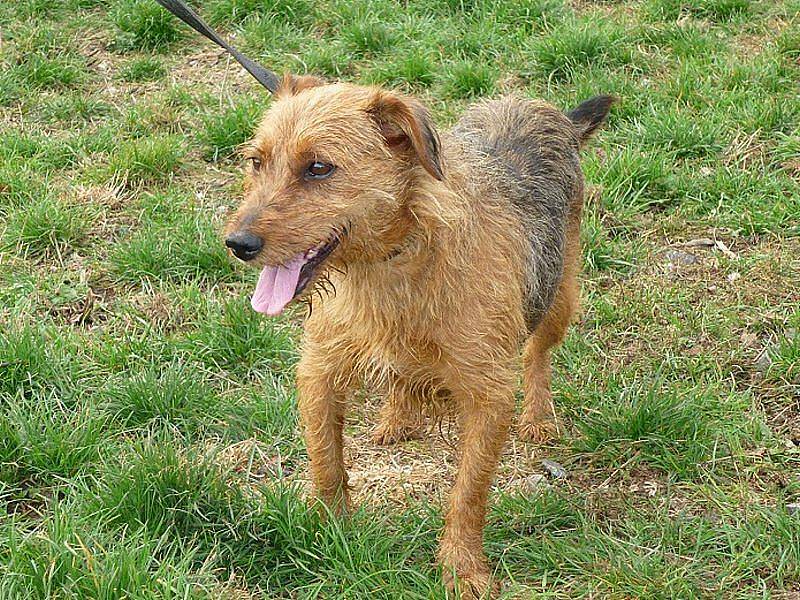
[[328, 168]]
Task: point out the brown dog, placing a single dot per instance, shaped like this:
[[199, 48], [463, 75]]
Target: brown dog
[[445, 255]]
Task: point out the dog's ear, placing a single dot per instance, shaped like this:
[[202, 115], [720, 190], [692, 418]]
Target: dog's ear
[[406, 122], [293, 84]]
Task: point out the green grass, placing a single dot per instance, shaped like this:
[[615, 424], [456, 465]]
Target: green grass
[[46, 224], [143, 69], [715, 10], [46, 58], [49, 442], [73, 109], [171, 250], [149, 436], [231, 338], [577, 45], [237, 11], [223, 132], [145, 25], [367, 36], [44, 152], [413, 69], [661, 425], [145, 160], [468, 80], [169, 395]]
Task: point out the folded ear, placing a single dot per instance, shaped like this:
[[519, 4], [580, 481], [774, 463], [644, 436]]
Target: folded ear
[[292, 84], [404, 122]]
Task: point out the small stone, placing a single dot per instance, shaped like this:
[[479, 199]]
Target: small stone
[[793, 508], [555, 470], [679, 257], [732, 277], [700, 243]]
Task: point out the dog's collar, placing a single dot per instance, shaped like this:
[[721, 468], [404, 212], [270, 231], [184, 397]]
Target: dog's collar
[[394, 253], [402, 248], [181, 10]]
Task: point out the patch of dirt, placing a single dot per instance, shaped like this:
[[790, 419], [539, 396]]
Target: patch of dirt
[[30, 501], [407, 472]]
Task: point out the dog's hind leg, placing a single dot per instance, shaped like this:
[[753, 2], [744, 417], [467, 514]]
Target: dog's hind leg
[[537, 423], [401, 415]]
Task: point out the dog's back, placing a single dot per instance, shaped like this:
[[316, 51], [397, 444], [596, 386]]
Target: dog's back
[[529, 153]]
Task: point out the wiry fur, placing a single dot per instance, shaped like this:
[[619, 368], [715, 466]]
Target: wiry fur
[[530, 155], [457, 250]]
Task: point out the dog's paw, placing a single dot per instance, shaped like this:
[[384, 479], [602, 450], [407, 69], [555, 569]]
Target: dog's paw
[[392, 432], [465, 573], [472, 584], [539, 432]]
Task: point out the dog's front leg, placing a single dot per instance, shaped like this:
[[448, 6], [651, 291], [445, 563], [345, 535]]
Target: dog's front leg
[[322, 410], [486, 418]]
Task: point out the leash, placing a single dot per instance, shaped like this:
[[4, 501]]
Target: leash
[[181, 10]]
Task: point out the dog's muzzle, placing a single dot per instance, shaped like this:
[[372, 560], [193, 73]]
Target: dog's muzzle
[[245, 246]]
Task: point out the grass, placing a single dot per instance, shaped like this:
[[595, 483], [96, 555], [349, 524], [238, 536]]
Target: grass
[[145, 160], [468, 80], [46, 224], [143, 69], [46, 58], [227, 12], [149, 443], [144, 25], [223, 132], [164, 396], [171, 250], [414, 69], [575, 45], [715, 10]]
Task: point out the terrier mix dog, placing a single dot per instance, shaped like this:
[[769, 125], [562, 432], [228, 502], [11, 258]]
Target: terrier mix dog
[[447, 254]]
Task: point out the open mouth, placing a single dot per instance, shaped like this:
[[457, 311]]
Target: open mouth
[[278, 285]]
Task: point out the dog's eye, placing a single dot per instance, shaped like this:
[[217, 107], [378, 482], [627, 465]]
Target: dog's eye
[[255, 162], [319, 170]]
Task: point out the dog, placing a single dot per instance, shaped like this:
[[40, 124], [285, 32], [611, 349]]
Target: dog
[[450, 255]]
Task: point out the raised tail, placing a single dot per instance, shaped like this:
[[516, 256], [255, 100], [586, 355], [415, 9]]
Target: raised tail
[[589, 115]]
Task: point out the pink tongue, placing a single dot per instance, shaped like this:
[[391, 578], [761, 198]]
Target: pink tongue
[[276, 286]]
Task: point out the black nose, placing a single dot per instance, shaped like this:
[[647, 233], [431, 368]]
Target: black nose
[[244, 246]]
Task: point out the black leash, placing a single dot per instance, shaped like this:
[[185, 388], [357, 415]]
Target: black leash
[[181, 10]]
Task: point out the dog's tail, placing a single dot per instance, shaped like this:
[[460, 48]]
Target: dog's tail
[[589, 115]]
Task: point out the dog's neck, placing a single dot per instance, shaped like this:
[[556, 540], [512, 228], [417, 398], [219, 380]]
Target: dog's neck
[[429, 214], [401, 236]]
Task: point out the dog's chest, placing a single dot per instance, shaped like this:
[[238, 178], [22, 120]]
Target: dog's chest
[[388, 353], [388, 325], [386, 346]]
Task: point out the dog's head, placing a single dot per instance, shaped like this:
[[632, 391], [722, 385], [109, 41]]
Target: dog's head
[[328, 170]]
